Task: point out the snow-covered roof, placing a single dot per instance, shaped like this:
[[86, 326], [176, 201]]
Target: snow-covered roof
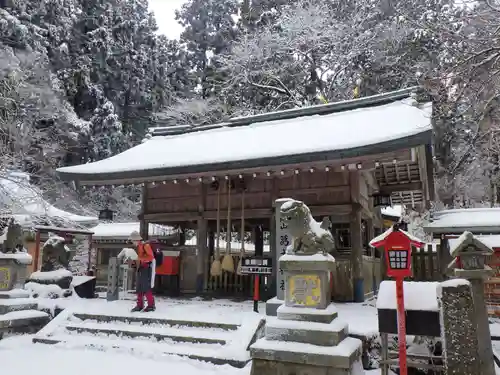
[[392, 211], [379, 240], [23, 201], [123, 230], [475, 220], [492, 240], [468, 239], [330, 136]]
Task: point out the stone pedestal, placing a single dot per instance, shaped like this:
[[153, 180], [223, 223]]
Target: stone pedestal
[[306, 337], [13, 270]]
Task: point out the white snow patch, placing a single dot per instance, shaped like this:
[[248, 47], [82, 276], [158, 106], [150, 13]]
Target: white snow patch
[[419, 296], [23, 258], [127, 254], [123, 230], [395, 210], [44, 291], [298, 136], [15, 293], [23, 314], [15, 350], [51, 275], [384, 235], [465, 219]]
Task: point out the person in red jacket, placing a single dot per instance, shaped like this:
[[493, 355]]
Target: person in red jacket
[[144, 264]]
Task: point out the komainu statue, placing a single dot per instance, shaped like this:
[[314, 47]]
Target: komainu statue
[[309, 236]]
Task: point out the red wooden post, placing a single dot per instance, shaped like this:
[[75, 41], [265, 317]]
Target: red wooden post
[[400, 296], [256, 293], [397, 245]]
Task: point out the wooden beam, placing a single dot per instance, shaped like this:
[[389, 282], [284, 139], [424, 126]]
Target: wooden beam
[[395, 188], [251, 213]]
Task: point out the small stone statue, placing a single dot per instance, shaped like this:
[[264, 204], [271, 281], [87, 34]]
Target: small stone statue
[[55, 256], [310, 237], [14, 237]]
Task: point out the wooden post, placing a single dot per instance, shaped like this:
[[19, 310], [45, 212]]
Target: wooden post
[[357, 255], [201, 257], [37, 251], [143, 225]]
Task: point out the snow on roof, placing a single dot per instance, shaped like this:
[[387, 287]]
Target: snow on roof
[[301, 135], [419, 295], [24, 200], [392, 211], [21, 257], [491, 240], [464, 241], [465, 219], [377, 241], [123, 230]]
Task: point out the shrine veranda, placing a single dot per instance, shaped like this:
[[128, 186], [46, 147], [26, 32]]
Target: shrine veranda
[[342, 159]]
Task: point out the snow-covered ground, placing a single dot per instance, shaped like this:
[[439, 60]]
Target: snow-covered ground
[[362, 319], [62, 359]]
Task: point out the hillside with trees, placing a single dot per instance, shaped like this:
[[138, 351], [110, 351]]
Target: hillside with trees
[[84, 80]]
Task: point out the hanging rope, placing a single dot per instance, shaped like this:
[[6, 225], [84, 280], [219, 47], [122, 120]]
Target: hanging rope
[[216, 269], [227, 261], [242, 235]]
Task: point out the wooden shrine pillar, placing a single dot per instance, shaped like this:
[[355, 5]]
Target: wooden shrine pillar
[[202, 241], [259, 240], [356, 238], [201, 254], [357, 255], [143, 225]]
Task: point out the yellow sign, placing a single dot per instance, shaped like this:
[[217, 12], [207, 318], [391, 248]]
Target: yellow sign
[[4, 278], [304, 290]]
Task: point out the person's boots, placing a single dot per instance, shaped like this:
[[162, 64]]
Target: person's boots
[[140, 303], [151, 301]]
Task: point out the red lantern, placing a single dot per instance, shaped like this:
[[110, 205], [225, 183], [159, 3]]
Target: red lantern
[[398, 254]]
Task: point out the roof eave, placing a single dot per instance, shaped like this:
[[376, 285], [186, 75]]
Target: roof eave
[[128, 177]]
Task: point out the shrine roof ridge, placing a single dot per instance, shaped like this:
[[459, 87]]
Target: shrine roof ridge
[[320, 109]]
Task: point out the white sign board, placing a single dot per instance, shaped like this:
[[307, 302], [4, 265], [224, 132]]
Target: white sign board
[[283, 245]]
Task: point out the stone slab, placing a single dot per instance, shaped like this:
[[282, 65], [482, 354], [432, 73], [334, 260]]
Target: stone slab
[[307, 332], [264, 367], [14, 293], [343, 355], [305, 314], [305, 263], [272, 306], [473, 274], [36, 319], [10, 307]]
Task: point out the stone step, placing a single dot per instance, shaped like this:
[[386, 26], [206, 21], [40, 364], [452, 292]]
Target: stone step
[[148, 320], [341, 356], [8, 305], [160, 334], [305, 314], [213, 354], [14, 293], [23, 321], [321, 334]]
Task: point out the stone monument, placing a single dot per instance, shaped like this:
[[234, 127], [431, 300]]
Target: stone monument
[[306, 337], [469, 255], [113, 290], [460, 341]]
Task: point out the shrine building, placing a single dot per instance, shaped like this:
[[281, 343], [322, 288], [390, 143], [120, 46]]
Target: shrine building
[[345, 160]]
